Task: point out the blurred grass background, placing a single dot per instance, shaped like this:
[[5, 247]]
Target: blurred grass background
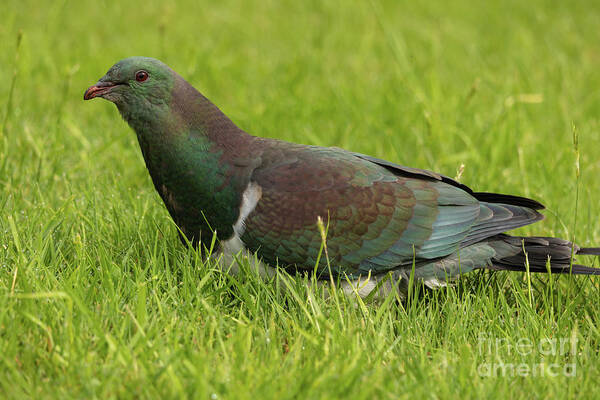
[[107, 303]]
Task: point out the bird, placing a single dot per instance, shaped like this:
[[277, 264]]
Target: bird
[[381, 223]]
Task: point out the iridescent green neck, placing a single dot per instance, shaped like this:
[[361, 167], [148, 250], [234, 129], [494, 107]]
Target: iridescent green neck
[[187, 145]]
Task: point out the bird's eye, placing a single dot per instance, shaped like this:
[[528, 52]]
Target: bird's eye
[[141, 76]]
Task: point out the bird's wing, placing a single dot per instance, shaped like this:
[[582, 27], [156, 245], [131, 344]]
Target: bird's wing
[[377, 219], [481, 196]]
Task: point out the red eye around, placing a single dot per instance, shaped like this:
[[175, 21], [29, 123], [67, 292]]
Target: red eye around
[[141, 76]]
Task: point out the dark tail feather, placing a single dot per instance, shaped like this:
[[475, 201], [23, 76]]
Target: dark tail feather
[[508, 199], [589, 251], [577, 269], [583, 270], [510, 255]]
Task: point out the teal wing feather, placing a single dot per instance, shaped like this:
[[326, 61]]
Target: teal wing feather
[[377, 219]]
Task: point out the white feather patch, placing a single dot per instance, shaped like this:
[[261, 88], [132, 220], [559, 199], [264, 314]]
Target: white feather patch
[[250, 198], [234, 247]]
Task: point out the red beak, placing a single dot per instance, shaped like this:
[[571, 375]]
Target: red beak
[[98, 90]]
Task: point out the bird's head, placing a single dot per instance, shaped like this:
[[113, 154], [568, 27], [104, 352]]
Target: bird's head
[[134, 82], [155, 100]]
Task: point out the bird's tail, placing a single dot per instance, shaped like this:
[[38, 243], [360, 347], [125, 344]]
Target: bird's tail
[[514, 252]]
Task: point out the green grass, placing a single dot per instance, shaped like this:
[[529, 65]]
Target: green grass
[[107, 303]]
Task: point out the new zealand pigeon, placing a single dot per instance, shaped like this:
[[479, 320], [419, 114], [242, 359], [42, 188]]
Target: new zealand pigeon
[[265, 196]]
